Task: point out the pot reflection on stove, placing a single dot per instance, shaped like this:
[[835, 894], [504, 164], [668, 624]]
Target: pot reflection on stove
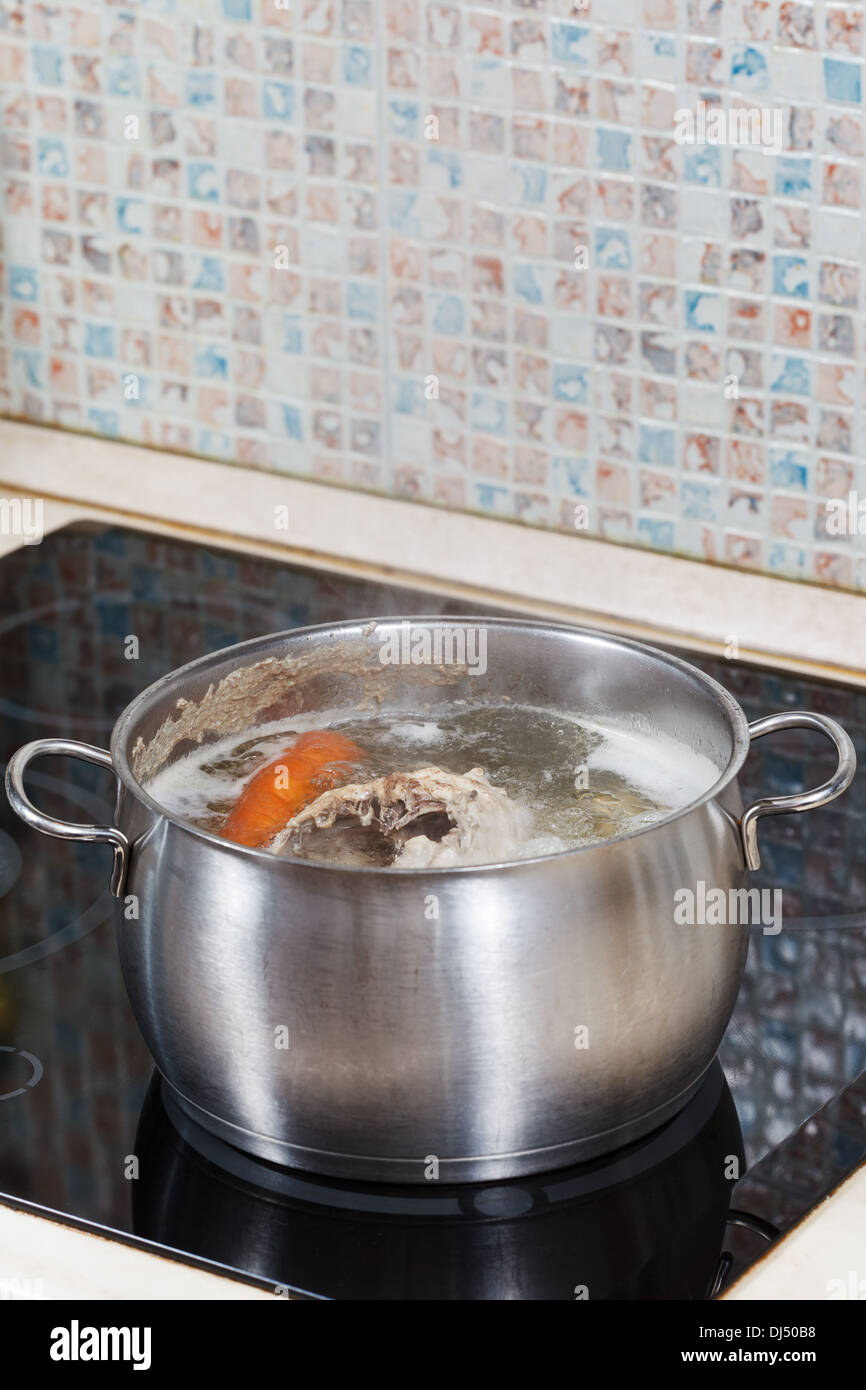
[[645, 1222]]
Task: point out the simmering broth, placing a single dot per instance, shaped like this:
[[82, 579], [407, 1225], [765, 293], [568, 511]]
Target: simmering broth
[[576, 782]]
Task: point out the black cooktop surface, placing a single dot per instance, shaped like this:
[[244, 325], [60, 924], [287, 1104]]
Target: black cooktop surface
[[779, 1123]]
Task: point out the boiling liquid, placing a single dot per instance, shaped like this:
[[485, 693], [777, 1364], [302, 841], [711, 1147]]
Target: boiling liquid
[[580, 782]]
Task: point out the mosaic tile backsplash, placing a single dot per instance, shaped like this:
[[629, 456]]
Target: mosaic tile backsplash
[[474, 255]]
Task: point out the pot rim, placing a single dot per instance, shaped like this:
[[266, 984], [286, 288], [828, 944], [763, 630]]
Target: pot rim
[[721, 697]]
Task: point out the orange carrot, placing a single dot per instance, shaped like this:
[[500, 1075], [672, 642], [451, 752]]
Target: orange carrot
[[313, 764]]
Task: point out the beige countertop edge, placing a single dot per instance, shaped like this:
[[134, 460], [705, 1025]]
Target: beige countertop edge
[[576, 576], [822, 1258], [41, 1258], [82, 479]]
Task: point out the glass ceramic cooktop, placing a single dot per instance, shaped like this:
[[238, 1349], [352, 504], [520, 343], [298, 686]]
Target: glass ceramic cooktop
[[78, 1095]]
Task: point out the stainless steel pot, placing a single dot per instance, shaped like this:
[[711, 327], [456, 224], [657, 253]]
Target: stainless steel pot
[[465, 1024]]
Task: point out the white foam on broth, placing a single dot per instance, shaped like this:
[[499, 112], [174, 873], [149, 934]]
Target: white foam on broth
[[633, 778]]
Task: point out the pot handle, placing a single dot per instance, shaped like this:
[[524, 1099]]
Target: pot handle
[[64, 829], [799, 801]]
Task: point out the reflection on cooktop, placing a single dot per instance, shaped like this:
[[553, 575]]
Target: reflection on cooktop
[[74, 1073], [647, 1222]]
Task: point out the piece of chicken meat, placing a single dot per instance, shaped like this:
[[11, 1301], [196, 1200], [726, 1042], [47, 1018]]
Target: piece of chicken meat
[[432, 819]]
